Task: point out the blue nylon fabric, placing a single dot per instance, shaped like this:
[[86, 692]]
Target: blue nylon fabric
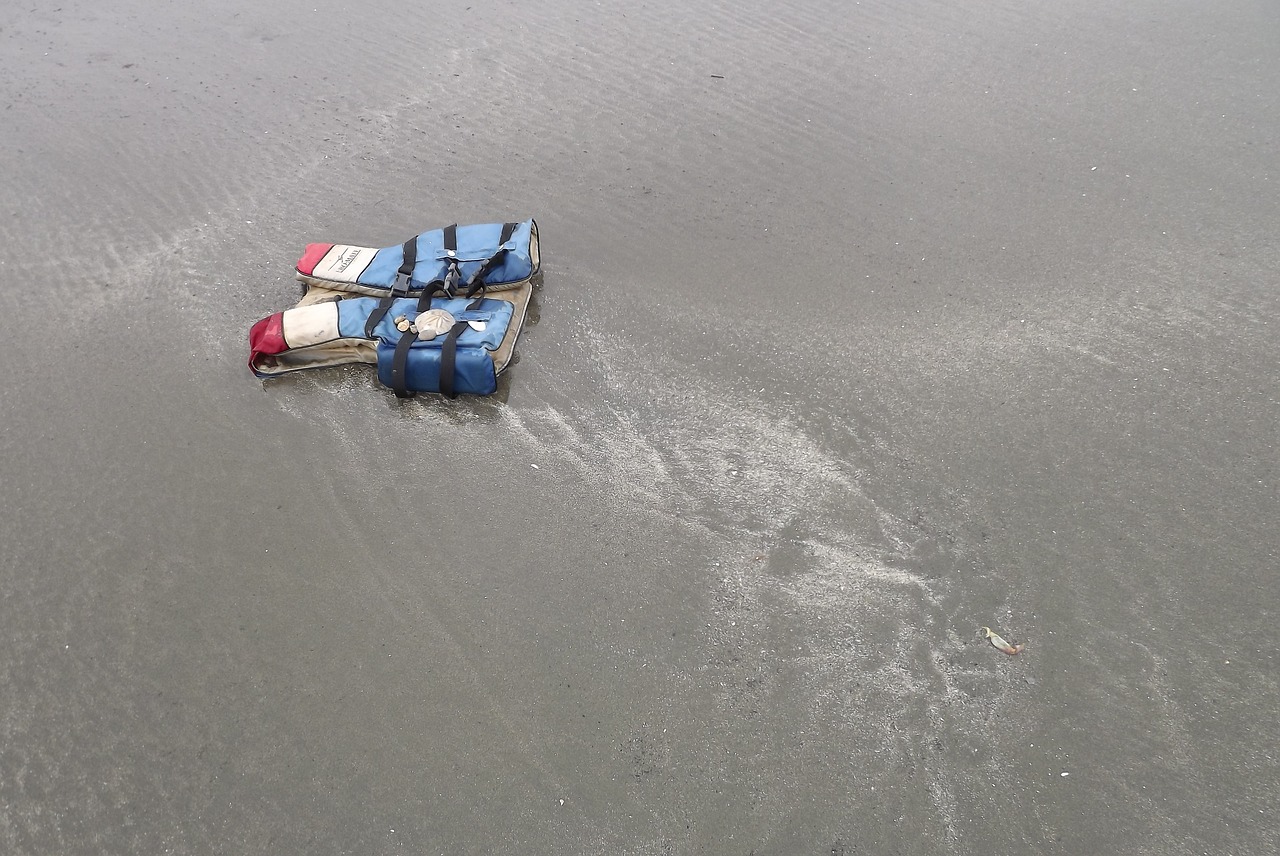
[[353, 312], [473, 370], [384, 267], [476, 244]]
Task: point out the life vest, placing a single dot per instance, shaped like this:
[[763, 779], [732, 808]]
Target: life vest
[[443, 312], [499, 255]]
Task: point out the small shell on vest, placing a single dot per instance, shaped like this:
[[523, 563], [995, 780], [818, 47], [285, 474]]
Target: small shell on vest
[[403, 325], [433, 322]]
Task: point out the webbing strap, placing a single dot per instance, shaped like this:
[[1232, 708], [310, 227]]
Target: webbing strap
[[478, 285], [452, 275], [448, 358], [448, 362], [410, 257], [379, 312], [404, 277], [430, 290], [399, 364], [446, 287]]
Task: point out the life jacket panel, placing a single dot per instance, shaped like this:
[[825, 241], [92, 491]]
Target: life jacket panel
[[467, 252], [333, 333]]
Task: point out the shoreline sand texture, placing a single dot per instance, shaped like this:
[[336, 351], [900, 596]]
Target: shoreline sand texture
[[862, 327]]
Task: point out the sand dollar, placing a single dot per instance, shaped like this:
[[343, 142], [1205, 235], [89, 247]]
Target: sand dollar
[[433, 322]]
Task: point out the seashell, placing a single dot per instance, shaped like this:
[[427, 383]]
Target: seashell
[[433, 322], [478, 326], [998, 641], [403, 325]]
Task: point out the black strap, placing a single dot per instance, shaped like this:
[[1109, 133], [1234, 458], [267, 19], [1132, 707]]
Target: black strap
[[399, 288], [379, 312], [452, 274], [478, 284], [399, 364], [448, 362], [410, 257], [448, 358], [430, 290], [444, 287]]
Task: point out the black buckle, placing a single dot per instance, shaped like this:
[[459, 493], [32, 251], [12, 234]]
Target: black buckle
[[400, 288]]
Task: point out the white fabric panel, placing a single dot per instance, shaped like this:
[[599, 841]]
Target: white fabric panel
[[309, 325], [344, 263]]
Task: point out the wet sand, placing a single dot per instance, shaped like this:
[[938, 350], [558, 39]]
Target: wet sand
[[862, 326]]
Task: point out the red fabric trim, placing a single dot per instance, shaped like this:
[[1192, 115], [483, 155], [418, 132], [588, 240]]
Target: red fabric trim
[[312, 257], [266, 338]]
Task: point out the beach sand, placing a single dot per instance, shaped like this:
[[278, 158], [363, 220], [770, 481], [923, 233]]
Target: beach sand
[[862, 326]]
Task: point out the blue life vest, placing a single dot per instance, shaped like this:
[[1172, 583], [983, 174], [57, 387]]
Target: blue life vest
[[455, 259], [438, 281]]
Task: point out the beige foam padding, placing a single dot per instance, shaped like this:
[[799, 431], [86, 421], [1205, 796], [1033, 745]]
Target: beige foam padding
[[339, 352]]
